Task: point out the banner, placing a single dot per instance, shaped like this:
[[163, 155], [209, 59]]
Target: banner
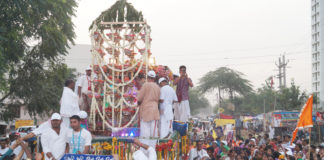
[[86, 157], [223, 122], [21, 123], [224, 116]]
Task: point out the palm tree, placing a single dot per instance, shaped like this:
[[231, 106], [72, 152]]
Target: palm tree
[[225, 80]]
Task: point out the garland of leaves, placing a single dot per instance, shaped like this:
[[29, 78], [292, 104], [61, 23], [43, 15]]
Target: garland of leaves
[[116, 13]]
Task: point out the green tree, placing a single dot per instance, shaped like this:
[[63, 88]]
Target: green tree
[[33, 37], [197, 101], [291, 98], [266, 99], [116, 13], [39, 90], [225, 80]]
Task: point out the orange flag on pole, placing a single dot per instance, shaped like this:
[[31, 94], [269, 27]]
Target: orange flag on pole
[[305, 117]]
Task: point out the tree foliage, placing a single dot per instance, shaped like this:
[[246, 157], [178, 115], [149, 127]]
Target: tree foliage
[[197, 101], [33, 37], [116, 13], [291, 98], [254, 102], [227, 80], [267, 99], [264, 99], [38, 90]]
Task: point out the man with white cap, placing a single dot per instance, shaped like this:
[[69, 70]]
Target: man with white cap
[[40, 130], [69, 103], [167, 98], [54, 139], [148, 99], [84, 87]]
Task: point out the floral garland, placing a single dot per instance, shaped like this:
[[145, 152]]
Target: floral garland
[[111, 84]]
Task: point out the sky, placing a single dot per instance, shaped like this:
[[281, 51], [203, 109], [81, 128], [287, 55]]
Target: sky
[[245, 35]]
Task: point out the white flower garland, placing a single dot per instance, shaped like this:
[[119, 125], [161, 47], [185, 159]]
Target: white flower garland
[[110, 85]]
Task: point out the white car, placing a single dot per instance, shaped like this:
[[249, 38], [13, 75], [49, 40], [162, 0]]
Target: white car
[[24, 130]]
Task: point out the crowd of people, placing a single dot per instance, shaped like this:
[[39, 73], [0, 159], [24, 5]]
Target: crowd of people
[[253, 147]]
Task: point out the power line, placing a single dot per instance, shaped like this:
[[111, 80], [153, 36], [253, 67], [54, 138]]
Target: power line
[[270, 55]]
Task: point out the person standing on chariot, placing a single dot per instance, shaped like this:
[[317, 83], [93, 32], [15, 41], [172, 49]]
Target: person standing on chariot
[[148, 99], [167, 98], [54, 139], [78, 139], [84, 88], [183, 83], [69, 103]]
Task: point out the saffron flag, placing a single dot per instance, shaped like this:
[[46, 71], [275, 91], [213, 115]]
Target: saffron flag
[[305, 117]]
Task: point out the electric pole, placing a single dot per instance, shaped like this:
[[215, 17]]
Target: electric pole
[[284, 66], [282, 71], [280, 74]]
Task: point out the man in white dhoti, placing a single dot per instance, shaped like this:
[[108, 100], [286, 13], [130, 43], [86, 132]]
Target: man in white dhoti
[[167, 98], [148, 99], [69, 103], [84, 88], [183, 83]]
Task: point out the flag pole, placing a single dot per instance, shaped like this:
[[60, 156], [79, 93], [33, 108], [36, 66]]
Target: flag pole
[[310, 137]]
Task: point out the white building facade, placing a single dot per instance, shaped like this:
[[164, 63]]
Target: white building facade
[[317, 13]]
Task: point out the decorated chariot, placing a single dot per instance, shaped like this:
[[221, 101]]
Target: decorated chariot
[[121, 58]]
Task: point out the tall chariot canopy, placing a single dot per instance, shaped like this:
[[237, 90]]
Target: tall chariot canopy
[[120, 56]]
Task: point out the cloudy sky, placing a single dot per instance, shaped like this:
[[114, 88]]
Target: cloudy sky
[[246, 35]]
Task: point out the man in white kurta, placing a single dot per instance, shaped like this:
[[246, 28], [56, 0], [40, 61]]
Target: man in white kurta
[[167, 98], [41, 129], [54, 139], [69, 103]]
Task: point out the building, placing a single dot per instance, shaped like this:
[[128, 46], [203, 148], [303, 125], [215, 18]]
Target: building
[[317, 13]]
